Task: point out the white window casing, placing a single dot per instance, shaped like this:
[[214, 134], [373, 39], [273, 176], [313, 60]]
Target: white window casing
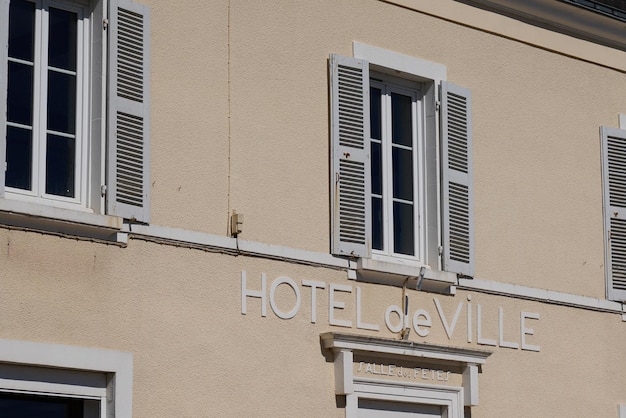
[[346, 347], [114, 126], [69, 371], [613, 142], [446, 159]]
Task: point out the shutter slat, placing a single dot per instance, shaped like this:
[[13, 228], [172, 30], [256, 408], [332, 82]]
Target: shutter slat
[[350, 182], [457, 193], [614, 203], [128, 176]]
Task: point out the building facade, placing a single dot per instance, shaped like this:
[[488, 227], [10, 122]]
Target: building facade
[[355, 208]]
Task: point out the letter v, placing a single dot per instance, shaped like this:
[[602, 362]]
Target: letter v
[[449, 328]]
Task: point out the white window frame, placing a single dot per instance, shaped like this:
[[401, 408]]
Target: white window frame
[[82, 167], [389, 85], [417, 71], [106, 375], [450, 399], [114, 185], [448, 234]]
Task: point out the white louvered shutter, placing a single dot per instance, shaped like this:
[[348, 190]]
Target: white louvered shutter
[[4, 65], [128, 164], [457, 193], [350, 175], [614, 203]]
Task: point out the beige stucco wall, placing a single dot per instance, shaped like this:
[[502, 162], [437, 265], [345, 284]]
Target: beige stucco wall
[[189, 111], [240, 98], [240, 121], [179, 312]]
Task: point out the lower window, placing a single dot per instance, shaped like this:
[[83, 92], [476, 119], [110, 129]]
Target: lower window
[[41, 380], [387, 409], [20, 405]]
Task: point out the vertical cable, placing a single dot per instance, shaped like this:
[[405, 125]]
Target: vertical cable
[[228, 70]]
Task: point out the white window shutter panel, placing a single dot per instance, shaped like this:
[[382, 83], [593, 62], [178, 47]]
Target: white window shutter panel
[[614, 204], [457, 185], [4, 64], [128, 135], [350, 165]]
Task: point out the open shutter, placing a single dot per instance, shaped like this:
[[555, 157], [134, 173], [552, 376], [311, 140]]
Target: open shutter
[[457, 188], [4, 65], [350, 171], [128, 140], [614, 204]]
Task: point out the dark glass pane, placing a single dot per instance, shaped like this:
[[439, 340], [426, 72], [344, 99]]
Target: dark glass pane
[[60, 158], [403, 229], [19, 158], [377, 168], [377, 223], [13, 405], [375, 115], [20, 94], [402, 173], [21, 29], [61, 102], [62, 41], [401, 129]]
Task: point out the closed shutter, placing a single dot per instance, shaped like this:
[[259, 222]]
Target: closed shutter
[[4, 65], [350, 171], [457, 188], [128, 140], [614, 204]]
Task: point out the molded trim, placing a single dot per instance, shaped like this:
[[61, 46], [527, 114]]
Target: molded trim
[[78, 358]]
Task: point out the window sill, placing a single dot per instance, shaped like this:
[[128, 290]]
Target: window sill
[[396, 273], [59, 221]]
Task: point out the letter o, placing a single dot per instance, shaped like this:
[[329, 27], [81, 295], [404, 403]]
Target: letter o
[[277, 311]]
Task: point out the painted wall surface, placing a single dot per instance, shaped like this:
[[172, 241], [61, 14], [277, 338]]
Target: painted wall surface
[[240, 121], [240, 110], [179, 311]]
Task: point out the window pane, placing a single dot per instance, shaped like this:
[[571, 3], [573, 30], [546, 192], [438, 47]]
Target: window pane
[[61, 102], [20, 94], [377, 168], [375, 115], [377, 223], [19, 158], [403, 229], [60, 157], [21, 29], [402, 173], [14, 405], [401, 123], [62, 42]]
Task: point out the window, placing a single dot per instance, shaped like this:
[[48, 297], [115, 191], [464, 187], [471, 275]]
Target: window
[[395, 143], [614, 204], [43, 141], [77, 107], [401, 167], [56, 381]]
